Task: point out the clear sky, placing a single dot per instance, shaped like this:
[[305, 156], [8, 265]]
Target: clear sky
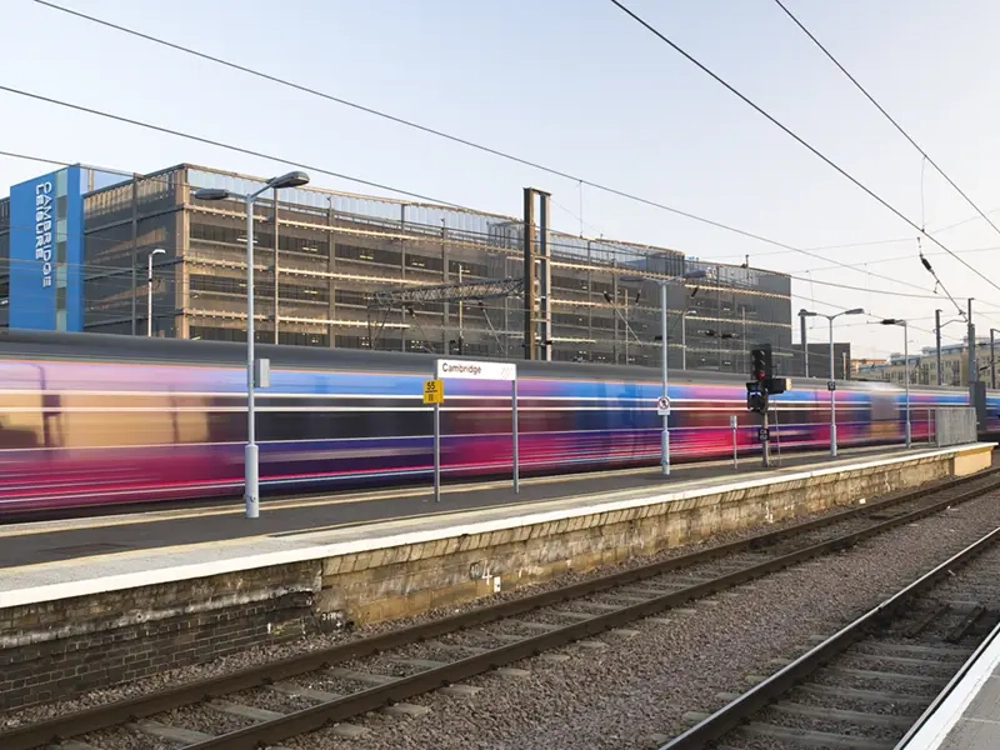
[[578, 86]]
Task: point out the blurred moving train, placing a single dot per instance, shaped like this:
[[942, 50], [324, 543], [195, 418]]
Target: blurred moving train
[[91, 420]]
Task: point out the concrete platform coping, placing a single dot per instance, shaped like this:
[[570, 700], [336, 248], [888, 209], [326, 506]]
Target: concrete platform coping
[[114, 572]]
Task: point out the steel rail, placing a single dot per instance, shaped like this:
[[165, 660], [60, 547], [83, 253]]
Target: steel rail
[[733, 714], [318, 716], [129, 710]]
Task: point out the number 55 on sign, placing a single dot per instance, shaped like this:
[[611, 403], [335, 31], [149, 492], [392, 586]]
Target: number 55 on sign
[[433, 392]]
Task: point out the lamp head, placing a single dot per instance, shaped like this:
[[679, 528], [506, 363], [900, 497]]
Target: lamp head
[[289, 180], [212, 194]]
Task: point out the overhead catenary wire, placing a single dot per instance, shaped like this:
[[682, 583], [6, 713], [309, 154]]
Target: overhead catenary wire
[[288, 162], [580, 181], [890, 118], [798, 139]]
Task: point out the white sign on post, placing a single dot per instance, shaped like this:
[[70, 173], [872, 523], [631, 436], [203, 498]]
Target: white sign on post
[[663, 406], [457, 368], [450, 369]]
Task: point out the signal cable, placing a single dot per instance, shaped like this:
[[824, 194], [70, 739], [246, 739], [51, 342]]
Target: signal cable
[[799, 139], [287, 162], [448, 136], [887, 116]]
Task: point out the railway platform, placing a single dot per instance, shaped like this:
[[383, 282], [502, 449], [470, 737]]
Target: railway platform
[[966, 715], [71, 539], [90, 602]]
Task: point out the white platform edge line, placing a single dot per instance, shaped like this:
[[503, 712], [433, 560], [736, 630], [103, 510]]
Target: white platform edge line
[[938, 725], [85, 587]]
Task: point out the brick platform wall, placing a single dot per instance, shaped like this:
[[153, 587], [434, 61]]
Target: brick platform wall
[[62, 648]]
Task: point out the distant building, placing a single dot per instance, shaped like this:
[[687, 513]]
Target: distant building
[[74, 246], [819, 361], [923, 365]]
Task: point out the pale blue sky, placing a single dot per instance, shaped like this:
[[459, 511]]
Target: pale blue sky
[[577, 86]]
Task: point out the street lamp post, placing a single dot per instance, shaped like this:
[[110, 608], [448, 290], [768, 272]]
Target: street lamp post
[[833, 376], [906, 367], [251, 495], [149, 290]]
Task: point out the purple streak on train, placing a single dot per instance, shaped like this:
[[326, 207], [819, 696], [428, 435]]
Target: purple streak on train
[[75, 432]]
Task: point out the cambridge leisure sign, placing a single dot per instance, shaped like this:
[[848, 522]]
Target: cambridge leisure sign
[[461, 369], [46, 252], [43, 229]]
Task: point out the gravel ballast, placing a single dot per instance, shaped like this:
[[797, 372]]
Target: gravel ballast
[[623, 695], [634, 687], [273, 652]]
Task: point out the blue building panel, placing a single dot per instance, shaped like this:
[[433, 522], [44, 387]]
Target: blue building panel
[[46, 252]]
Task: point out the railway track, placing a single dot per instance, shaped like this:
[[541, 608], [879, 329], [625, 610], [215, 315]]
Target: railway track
[[869, 683], [266, 705]]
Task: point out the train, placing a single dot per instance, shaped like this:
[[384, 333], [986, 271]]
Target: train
[[96, 421]]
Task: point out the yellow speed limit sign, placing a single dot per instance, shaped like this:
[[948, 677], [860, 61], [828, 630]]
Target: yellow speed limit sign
[[433, 392]]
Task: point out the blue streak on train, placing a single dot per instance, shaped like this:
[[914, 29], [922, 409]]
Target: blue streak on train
[[94, 420]]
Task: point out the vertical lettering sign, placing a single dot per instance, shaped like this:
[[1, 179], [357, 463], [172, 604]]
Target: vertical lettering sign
[[43, 229]]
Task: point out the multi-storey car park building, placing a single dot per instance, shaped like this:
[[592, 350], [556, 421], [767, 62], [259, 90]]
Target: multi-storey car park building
[[322, 256]]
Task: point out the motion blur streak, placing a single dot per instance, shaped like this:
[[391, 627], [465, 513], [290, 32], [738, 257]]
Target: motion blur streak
[[93, 420]]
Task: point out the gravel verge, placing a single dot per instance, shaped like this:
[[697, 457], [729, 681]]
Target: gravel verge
[[272, 652], [619, 697]]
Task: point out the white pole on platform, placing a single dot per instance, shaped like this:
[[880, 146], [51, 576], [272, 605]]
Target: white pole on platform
[[665, 431], [437, 452], [517, 470]]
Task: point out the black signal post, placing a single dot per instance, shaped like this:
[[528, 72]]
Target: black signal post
[[759, 390]]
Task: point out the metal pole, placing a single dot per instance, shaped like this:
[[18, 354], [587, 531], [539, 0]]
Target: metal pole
[[805, 344], [461, 316], [993, 361], [277, 269], [937, 335], [665, 434], [684, 348], [251, 496], [906, 358], [766, 453], [517, 469], [529, 273], [833, 398], [135, 246], [149, 296], [625, 320], [437, 453], [734, 423], [972, 355]]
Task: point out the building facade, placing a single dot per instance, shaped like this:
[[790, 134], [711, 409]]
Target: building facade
[[923, 366], [320, 257], [819, 361]]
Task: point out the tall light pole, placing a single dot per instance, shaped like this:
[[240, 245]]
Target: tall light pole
[[149, 290], [251, 493], [906, 360], [832, 385], [993, 359], [937, 345]]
